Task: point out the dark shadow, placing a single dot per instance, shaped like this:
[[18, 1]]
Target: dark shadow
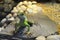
[[17, 1], [43, 1]]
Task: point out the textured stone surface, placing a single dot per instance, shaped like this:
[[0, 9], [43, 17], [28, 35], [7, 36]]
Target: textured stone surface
[[46, 25], [53, 37], [40, 38], [8, 30], [42, 26]]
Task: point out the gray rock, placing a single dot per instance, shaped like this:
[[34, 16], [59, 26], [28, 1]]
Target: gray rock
[[8, 1], [45, 27], [42, 26], [53, 37], [40, 38], [7, 7], [8, 30]]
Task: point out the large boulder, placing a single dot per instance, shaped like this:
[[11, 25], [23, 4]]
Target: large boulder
[[42, 26]]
